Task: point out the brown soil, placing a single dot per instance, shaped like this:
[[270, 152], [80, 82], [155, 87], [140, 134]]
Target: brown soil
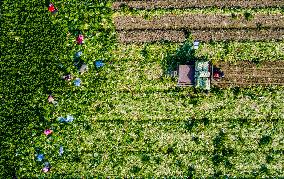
[[199, 21], [182, 4], [247, 74], [150, 36], [238, 35], [141, 36]]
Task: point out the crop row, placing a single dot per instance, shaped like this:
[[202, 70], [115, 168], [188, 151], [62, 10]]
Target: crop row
[[271, 72], [199, 21], [150, 36], [238, 35], [140, 36], [253, 79], [243, 85], [149, 147], [169, 4], [246, 74], [267, 65]]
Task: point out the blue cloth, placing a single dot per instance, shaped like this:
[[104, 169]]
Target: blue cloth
[[196, 44], [69, 118], [61, 119], [40, 157], [77, 82], [99, 63], [61, 150], [78, 54]]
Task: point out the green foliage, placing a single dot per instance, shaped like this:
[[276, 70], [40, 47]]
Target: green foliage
[[248, 15], [129, 119], [184, 54]]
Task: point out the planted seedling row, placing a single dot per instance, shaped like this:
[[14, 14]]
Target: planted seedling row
[[173, 4]]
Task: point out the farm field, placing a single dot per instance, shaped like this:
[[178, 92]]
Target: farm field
[[130, 117]]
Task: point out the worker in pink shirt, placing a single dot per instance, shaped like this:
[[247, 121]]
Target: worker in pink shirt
[[80, 39]]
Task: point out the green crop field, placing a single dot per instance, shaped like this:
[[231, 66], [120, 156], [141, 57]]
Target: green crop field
[[130, 118]]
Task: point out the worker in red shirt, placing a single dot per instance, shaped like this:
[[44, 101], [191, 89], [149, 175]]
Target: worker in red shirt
[[217, 75], [52, 9], [80, 39]]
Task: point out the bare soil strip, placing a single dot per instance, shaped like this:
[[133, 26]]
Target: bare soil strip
[[199, 21], [141, 36], [244, 85], [238, 35], [150, 36], [279, 65], [245, 74], [183, 4]]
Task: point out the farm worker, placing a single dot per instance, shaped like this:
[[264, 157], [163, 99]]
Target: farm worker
[[46, 167], [80, 39], [99, 63], [52, 9], [40, 157], [78, 54], [50, 99], [216, 75], [77, 82], [47, 132], [83, 68], [61, 151], [67, 77]]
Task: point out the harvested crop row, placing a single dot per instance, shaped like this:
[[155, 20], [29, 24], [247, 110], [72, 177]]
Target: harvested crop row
[[150, 36], [238, 35], [252, 79], [245, 74], [262, 72], [199, 21], [269, 65], [243, 85], [183, 4], [140, 36]]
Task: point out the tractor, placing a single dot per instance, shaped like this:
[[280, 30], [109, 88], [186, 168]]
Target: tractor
[[198, 74]]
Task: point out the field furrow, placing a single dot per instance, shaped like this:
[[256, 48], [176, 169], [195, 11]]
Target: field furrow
[[245, 74], [252, 79], [183, 4], [238, 35], [141, 36], [199, 21], [243, 85], [268, 65], [150, 36], [261, 72]]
